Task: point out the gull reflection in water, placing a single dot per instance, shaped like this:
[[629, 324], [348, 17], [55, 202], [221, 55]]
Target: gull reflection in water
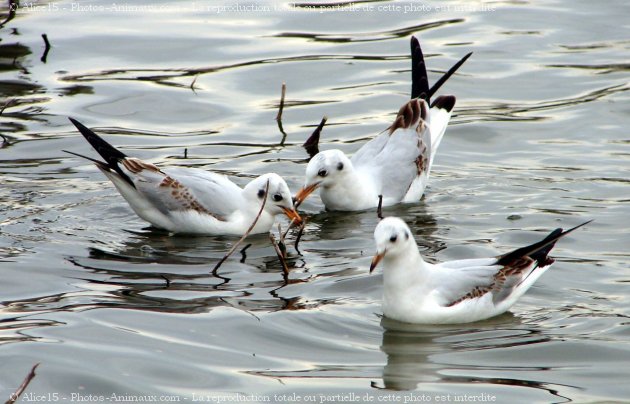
[[420, 354]]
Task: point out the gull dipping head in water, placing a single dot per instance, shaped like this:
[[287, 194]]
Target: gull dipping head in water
[[451, 292], [396, 164], [191, 200]]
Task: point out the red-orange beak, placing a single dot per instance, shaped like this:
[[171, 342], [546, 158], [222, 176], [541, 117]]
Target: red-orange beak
[[293, 216], [303, 193], [377, 258]]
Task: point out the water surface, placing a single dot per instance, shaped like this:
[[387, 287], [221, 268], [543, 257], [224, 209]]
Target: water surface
[[108, 306]]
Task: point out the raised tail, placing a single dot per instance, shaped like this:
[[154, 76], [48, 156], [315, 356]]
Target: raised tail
[[439, 118], [446, 76], [109, 153], [419, 77], [539, 251]]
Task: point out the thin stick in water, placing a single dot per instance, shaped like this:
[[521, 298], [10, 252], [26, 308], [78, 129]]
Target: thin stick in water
[[284, 235], [14, 397], [243, 253], [379, 209], [47, 49], [192, 85], [281, 106], [279, 116], [285, 268], [281, 244], [299, 236], [251, 227], [168, 281]]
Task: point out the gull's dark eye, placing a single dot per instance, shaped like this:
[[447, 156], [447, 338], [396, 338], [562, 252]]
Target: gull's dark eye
[[406, 235], [322, 173], [393, 238], [277, 197], [261, 193], [340, 166]]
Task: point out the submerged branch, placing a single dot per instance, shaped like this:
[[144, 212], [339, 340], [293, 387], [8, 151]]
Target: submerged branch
[[279, 116], [14, 396]]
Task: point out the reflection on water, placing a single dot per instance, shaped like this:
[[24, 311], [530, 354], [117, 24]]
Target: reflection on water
[[538, 136], [415, 353]]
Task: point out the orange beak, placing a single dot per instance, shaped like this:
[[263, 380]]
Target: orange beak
[[293, 216], [303, 193], [377, 258]]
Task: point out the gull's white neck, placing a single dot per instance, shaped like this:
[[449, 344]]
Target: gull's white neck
[[405, 281]]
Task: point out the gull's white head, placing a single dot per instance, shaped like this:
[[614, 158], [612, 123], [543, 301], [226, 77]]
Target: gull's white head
[[393, 238], [324, 170], [278, 196]]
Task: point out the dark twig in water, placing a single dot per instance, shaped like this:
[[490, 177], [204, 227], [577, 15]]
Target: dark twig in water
[[47, 49], [243, 254], [168, 281], [284, 235], [279, 116], [379, 209], [192, 85], [6, 105], [299, 236], [186, 152], [5, 141], [285, 268], [251, 227], [312, 143], [281, 243], [14, 397]]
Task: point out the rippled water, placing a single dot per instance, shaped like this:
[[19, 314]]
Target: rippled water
[[539, 140]]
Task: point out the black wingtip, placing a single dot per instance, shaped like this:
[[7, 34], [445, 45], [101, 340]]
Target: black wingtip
[[419, 76], [106, 150], [97, 162], [446, 102], [539, 251], [447, 75], [312, 143], [109, 153]]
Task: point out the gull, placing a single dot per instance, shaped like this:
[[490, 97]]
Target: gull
[[452, 292], [393, 167], [191, 200]]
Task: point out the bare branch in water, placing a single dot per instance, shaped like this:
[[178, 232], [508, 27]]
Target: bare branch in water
[[168, 281], [299, 236], [251, 227], [279, 116], [7, 104], [281, 257], [47, 49], [243, 254], [192, 85], [312, 143], [281, 243], [379, 209], [14, 397], [284, 235]]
